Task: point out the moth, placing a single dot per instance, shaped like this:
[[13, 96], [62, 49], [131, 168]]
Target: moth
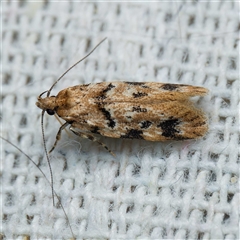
[[134, 110]]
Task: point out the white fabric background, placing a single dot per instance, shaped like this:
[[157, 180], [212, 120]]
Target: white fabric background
[[173, 190]]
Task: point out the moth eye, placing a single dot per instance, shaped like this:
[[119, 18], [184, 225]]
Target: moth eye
[[50, 111]]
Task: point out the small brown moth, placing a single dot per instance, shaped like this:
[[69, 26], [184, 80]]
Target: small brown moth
[[135, 110]]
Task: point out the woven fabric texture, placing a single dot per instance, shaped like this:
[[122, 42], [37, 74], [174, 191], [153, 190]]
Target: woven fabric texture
[[150, 190]]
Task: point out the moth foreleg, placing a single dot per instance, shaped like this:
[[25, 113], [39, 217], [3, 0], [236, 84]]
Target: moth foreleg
[[92, 138], [58, 136]]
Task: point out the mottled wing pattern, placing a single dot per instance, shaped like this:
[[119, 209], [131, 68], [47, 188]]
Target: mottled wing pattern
[[152, 122], [150, 111], [145, 92]]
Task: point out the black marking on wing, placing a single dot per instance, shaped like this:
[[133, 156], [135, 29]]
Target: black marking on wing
[[168, 128], [109, 87], [133, 134], [141, 84], [111, 122], [145, 124], [139, 94], [135, 83], [95, 130], [139, 109], [170, 87], [102, 95]]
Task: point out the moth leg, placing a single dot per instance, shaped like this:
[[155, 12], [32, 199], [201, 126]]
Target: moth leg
[[56, 116], [90, 137], [58, 136]]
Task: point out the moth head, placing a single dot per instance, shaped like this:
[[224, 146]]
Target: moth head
[[48, 104]]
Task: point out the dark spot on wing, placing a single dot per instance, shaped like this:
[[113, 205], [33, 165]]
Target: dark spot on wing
[[139, 94], [102, 95], [109, 87], [139, 109], [141, 84], [135, 83], [170, 87], [95, 130], [145, 124], [133, 134], [168, 128], [111, 122]]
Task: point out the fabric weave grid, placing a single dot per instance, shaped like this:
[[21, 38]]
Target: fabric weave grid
[[174, 190]]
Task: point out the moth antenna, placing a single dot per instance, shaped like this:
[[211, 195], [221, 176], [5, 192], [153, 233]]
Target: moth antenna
[[49, 91], [46, 152], [44, 177], [42, 94]]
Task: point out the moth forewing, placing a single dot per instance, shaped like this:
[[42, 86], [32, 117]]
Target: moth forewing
[[136, 110]]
